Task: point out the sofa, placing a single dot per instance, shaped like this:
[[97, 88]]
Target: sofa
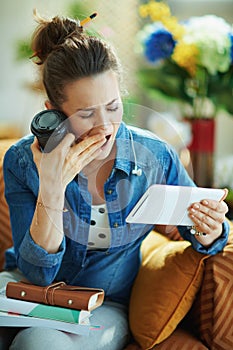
[[181, 299]]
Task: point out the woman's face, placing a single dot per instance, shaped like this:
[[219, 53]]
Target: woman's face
[[94, 105]]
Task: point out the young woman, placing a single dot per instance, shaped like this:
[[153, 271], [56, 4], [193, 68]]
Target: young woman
[[68, 206]]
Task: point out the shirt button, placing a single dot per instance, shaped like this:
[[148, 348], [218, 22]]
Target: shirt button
[[109, 191], [115, 224]]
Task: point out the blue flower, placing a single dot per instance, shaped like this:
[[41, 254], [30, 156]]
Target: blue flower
[[231, 37], [159, 45]]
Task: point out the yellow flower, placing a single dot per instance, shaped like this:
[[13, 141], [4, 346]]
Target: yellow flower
[[156, 10], [159, 11], [172, 25], [143, 11], [185, 55]]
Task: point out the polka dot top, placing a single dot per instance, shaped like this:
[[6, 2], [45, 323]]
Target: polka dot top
[[99, 233]]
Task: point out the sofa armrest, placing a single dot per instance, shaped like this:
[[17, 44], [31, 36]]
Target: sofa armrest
[[212, 312]]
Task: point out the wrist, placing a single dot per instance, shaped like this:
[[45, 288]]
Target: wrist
[[208, 239], [51, 199]]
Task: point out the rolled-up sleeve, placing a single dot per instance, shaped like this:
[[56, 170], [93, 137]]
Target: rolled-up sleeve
[[216, 247], [35, 255], [37, 264]]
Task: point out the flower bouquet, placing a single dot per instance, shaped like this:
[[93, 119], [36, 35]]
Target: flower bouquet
[[190, 62]]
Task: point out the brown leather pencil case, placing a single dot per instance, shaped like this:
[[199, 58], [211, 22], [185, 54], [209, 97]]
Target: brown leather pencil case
[[57, 294]]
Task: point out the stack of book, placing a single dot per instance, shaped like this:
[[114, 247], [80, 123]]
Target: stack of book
[[16, 311]]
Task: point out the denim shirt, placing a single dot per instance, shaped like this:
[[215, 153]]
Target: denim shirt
[[113, 269]]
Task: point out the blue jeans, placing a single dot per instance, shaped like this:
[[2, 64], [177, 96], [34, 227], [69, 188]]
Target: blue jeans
[[113, 335]]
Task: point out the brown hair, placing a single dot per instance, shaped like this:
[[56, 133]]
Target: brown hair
[[68, 54]]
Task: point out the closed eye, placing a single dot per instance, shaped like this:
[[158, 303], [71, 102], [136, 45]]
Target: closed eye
[[86, 114], [113, 108]]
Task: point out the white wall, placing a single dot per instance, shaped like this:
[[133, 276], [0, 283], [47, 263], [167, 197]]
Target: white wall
[[18, 103], [185, 8]]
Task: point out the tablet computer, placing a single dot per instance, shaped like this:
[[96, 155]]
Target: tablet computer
[[167, 204]]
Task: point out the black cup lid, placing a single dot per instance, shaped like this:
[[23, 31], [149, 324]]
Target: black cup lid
[[47, 121]]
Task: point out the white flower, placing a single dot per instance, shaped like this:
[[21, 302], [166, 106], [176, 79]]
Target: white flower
[[211, 35], [224, 171]]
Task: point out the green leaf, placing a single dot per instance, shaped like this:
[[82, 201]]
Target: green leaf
[[166, 80], [220, 90], [23, 49]]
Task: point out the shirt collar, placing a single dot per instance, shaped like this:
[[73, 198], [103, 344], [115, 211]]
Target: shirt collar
[[122, 161]]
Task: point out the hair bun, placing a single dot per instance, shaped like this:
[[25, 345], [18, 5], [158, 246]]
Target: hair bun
[[52, 33]]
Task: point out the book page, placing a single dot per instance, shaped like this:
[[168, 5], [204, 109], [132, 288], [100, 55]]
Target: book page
[[14, 320]]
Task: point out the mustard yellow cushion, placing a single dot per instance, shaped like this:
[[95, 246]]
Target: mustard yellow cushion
[[165, 288]]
